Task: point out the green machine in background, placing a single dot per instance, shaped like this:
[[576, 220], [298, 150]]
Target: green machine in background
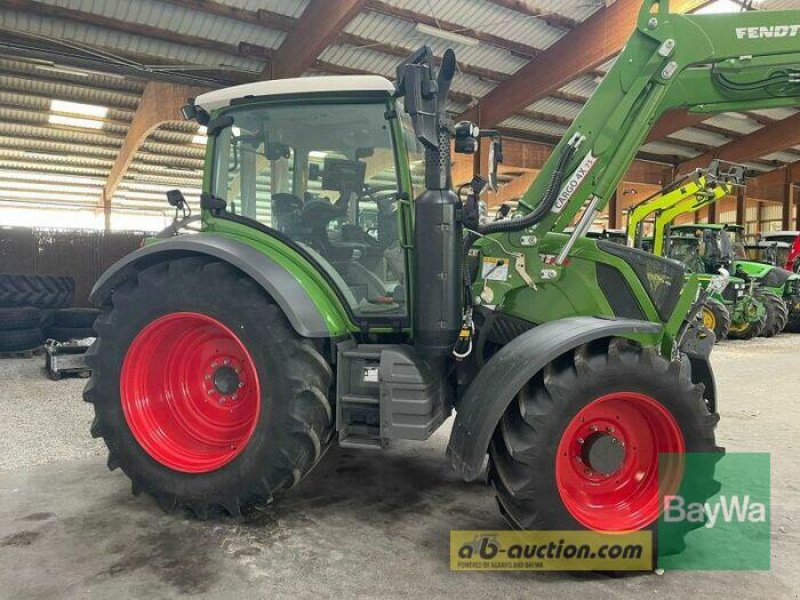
[[777, 288], [231, 357], [734, 312]]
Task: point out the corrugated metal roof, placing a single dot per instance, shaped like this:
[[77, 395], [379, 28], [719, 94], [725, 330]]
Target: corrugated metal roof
[[61, 29], [178, 19], [399, 32], [577, 10], [35, 73], [291, 8], [384, 64], [484, 16], [776, 114], [735, 122], [786, 157], [534, 126], [582, 86], [700, 136], [18, 87], [557, 107], [666, 149]]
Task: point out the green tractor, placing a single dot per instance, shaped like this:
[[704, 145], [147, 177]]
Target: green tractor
[[235, 348], [778, 288], [735, 312], [741, 309]]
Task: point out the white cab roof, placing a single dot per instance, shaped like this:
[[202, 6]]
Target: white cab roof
[[299, 85], [768, 234]]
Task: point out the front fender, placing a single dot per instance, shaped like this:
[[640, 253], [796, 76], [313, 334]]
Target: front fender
[[479, 411], [306, 316]]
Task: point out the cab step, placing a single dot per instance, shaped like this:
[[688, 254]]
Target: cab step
[[386, 392]]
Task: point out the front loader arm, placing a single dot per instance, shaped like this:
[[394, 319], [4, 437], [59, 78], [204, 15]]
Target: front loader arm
[[704, 63], [667, 198], [685, 206]]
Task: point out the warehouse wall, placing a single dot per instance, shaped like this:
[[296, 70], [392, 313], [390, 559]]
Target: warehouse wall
[[80, 254]]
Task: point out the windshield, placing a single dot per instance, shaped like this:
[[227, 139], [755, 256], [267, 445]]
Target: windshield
[[687, 251], [325, 176]]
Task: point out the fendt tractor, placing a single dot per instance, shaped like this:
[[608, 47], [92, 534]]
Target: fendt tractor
[[238, 345], [737, 311]]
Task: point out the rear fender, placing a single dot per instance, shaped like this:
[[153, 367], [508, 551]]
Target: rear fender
[[480, 409], [308, 308]]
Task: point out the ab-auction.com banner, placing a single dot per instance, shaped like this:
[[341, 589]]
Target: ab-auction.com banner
[[550, 551], [717, 518]]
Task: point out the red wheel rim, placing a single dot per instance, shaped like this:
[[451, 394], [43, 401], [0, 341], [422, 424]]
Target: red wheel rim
[[190, 392], [607, 466]]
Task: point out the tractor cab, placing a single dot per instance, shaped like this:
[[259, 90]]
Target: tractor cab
[[703, 248], [327, 165], [778, 248]]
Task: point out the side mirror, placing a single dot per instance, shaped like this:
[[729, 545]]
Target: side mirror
[[175, 198], [495, 158]]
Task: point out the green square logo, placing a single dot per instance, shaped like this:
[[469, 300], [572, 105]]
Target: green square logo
[[719, 517]]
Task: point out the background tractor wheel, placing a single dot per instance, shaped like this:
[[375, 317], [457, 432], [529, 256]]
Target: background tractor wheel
[[717, 318], [578, 447], [203, 392], [777, 313], [793, 325], [747, 330]]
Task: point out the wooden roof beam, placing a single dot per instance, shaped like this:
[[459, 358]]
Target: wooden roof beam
[[775, 137], [589, 45], [160, 102], [320, 25]]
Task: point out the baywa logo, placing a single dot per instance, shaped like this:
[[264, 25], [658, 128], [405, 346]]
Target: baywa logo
[[730, 509], [767, 31], [719, 516]]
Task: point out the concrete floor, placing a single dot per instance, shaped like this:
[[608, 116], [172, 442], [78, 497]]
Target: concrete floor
[[364, 525]]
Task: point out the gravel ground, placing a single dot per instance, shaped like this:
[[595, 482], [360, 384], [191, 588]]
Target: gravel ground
[[42, 421]]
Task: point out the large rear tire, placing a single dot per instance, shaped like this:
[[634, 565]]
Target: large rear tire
[[204, 394], [777, 313], [578, 447], [717, 318]]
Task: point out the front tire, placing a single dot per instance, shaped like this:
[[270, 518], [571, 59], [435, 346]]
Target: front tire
[[578, 447], [717, 318], [777, 313], [203, 393]]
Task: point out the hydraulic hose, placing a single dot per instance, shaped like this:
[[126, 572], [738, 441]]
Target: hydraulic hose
[[539, 213], [550, 197]]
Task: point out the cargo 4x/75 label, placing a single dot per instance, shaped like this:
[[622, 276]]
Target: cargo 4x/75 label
[[573, 182]]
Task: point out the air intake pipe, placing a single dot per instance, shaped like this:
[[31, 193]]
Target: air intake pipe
[[438, 230]]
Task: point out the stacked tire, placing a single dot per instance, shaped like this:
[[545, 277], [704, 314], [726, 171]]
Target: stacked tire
[[28, 304], [73, 324], [20, 328]]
